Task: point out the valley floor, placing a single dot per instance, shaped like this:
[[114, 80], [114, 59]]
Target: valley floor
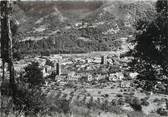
[[96, 84]]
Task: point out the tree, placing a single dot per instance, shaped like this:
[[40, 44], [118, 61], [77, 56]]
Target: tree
[[6, 44], [151, 51], [162, 6], [34, 75]]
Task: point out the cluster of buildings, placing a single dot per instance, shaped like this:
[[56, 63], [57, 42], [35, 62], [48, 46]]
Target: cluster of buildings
[[82, 69], [78, 69]]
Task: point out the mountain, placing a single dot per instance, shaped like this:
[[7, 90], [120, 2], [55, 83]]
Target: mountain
[[62, 26]]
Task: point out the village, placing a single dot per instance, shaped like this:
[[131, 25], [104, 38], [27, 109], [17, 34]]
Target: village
[[79, 68], [97, 77]]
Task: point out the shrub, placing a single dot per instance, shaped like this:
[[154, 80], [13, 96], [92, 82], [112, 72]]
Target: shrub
[[33, 75], [121, 101], [106, 95], [17, 55], [114, 102], [45, 53], [132, 94], [64, 106], [30, 101], [127, 99], [162, 112], [50, 63], [105, 106], [136, 114], [156, 100], [121, 90], [90, 103], [59, 105], [115, 109], [99, 92], [119, 95], [144, 102], [153, 115], [136, 104], [5, 90]]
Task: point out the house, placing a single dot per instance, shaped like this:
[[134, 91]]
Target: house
[[133, 75], [78, 24], [83, 79], [67, 63], [120, 75], [97, 60], [110, 61], [90, 78], [116, 76], [59, 78], [89, 60], [98, 77], [89, 68], [62, 83], [72, 76], [45, 71], [125, 84]]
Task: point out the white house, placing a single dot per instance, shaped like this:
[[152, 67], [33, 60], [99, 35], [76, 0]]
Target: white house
[[72, 76], [90, 78], [125, 84], [116, 76], [133, 75]]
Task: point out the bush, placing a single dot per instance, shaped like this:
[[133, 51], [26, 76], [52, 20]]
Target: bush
[[128, 99], [119, 95], [90, 103], [121, 101], [50, 63], [45, 53], [132, 94], [105, 106], [17, 55], [106, 95], [33, 75], [136, 104], [114, 102], [153, 115], [30, 101], [5, 88], [62, 105], [144, 102], [162, 112], [136, 114], [156, 100], [115, 109]]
